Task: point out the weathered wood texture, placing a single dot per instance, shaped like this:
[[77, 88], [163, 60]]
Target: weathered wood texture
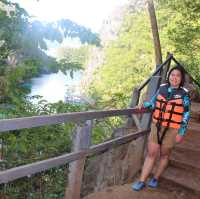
[[81, 141], [33, 168], [36, 121], [133, 120], [165, 70]]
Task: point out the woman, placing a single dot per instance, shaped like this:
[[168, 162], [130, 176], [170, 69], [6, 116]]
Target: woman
[[171, 110]]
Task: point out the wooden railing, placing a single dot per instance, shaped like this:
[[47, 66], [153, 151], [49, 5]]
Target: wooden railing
[[8, 125], [82, 147], [154, 80]]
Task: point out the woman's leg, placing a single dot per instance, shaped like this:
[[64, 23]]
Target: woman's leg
[[152, 153], [164, 159]]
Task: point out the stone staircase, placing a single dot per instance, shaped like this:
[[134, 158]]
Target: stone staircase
[[184, 166], [181, 180]]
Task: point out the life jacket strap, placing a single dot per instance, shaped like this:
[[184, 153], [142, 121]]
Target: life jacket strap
[[168, 111], [166, 120], [165, 102], [158, 125]]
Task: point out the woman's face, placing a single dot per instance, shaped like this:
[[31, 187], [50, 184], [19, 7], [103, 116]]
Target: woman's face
[[175, 78]]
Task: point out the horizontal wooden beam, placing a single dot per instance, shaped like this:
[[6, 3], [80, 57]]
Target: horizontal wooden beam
[[36, 121], [116, 142], [33, 168]]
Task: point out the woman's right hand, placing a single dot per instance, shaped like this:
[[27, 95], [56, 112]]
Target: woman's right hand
[[179, 139]]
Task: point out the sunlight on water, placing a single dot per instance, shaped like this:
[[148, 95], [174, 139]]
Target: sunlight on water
[[56, 86]]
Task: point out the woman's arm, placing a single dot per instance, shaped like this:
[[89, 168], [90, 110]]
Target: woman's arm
[[186, 116], [151, 104]]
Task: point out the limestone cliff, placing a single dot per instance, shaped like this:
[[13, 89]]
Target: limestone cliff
[[108, 32]]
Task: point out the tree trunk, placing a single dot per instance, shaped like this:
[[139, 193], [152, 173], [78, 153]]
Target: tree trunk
[[154, 28]]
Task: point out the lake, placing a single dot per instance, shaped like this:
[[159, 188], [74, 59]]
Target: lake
[[56, 86]]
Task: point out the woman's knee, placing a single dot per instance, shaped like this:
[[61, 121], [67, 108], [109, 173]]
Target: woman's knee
[[153, 150], [165, 153]]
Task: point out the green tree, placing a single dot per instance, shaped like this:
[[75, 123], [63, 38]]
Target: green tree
[[22, 44], [72, 59], [128, 61], [181, 29]]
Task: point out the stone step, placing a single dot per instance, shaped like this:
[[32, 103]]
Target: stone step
[[195, 111], [193, 127], [195, 106], [187, 159], [187, 145], [193, 119], [191, 139], [181, 177]]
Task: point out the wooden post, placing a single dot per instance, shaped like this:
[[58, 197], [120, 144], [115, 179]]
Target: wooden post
[[151, 90], [82, 140], [1, 150], [165, 69], [134, 102], [154, 28], [146, 118]]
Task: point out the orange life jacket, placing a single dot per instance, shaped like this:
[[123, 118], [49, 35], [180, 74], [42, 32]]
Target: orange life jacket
[[168, 113]]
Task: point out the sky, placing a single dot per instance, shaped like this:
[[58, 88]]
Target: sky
[[89, 13]]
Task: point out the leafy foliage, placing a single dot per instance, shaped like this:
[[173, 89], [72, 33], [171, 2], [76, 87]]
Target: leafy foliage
[[73, 30], [72, 59], [182, 29], [22, 57], [29, 145], [128, 61]]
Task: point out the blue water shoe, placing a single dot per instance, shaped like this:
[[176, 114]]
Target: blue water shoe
[[153, 183], [137, 186]]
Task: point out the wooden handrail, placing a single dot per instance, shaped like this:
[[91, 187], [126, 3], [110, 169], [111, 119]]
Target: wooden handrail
[[36, 121], [30, 169]]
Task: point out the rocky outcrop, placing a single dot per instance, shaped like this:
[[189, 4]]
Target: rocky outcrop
[[95, 60], [136, 5], [115, 166], [108, 32], [111, 26]]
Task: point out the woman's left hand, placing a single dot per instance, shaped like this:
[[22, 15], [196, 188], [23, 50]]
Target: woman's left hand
[[179, 138]]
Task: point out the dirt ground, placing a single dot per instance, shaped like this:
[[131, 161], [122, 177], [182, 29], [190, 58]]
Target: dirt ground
[[125, 192]]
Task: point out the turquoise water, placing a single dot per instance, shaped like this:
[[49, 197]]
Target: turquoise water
[[56, 86]]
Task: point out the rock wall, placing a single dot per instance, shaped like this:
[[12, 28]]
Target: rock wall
[[115, 166]]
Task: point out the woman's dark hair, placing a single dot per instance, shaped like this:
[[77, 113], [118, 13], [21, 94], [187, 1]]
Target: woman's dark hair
[[179, 68]]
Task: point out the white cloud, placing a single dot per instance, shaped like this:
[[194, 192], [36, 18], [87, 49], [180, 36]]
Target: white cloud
[[89, 13]]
